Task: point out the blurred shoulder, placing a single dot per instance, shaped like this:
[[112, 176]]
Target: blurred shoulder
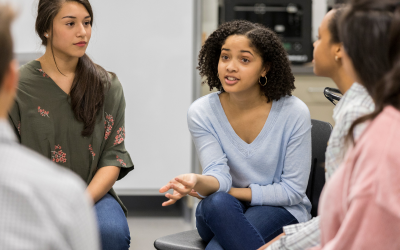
[[39, 178]]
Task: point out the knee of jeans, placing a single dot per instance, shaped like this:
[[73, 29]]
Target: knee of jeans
[[115, 232], [217, 202]]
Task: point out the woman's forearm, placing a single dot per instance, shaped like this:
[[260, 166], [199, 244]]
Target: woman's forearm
[[206, 185], [102, 182], [242, 194]]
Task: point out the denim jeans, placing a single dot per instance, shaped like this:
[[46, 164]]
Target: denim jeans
[[227, 223], [113, 226]]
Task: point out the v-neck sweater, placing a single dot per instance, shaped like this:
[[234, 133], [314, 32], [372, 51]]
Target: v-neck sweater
[[276, 165]]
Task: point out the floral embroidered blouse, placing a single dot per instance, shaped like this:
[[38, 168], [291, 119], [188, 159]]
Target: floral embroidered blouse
[[44, 121]]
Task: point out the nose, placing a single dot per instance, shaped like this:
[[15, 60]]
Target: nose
[[81, 31], [231, 66]]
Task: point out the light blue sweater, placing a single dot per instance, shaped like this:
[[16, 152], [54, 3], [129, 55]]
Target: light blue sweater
[[276, 165]]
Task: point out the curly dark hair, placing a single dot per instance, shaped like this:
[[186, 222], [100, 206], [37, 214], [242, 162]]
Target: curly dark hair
[[267, 45]]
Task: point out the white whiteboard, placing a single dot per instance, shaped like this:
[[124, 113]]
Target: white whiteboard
[[150, 45]]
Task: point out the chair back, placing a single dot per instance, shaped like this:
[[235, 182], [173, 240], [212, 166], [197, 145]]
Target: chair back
[[320, 133]]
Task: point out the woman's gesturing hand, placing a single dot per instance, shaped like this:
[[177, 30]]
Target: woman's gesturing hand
[[182, 185], [195, 194]]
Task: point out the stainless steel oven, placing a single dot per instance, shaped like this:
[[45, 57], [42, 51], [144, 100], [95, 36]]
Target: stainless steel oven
[[290, 19]]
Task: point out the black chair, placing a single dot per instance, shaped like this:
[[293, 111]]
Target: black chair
[[320, 132], [333, 95]]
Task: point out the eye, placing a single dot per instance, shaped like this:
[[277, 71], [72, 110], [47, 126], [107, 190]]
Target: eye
[[318, 37], [245, 60], [70, 24], [87, 23], [224, 57]]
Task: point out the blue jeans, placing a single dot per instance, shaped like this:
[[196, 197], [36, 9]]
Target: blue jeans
[[227, 223], [113, 226]]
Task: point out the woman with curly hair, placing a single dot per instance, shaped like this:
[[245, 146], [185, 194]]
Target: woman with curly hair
[[253, 139]]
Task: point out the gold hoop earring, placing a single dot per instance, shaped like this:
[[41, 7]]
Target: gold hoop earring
[[266, 80], [336, 58]]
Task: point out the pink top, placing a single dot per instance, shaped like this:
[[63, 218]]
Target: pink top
[[360, 205]]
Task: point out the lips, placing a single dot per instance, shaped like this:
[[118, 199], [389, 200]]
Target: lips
[[80, 44], [230, 80]]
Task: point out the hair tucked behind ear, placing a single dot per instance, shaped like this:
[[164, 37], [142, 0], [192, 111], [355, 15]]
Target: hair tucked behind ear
[[383, 22], [333, 24], [91, 80]]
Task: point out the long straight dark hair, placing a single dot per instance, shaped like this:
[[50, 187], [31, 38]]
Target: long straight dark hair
[[91, 80], [370, 32]]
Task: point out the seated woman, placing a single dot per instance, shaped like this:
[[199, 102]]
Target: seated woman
[[253, 139], [72, 111], [356, 102], [360, 204]]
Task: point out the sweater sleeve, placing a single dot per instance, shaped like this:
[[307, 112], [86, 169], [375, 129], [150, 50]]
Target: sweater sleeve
[[296, 169], [209, 150]]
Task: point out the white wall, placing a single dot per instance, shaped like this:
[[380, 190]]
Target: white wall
[[23, 29], [150, 46], [319, 8]]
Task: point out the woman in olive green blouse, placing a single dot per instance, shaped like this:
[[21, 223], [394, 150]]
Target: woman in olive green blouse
[[72, 111]]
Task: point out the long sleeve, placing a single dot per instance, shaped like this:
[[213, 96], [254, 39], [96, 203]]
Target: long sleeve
[[114, 152], [212, 158], [366, 226], [276, 165], [359, 206], [299, 236], [296, 169]]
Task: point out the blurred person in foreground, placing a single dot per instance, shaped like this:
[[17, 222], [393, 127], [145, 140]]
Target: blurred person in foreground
[[42, 205], [355, 103], [360, 204]]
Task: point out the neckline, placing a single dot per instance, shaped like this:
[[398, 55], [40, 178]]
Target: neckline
[[247, 149], [38, 66]]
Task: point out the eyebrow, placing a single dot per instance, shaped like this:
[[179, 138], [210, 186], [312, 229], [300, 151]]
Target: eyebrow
[[243, 51], [74, 17]]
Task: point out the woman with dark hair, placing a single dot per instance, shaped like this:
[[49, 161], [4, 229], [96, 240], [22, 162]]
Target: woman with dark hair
[[355, 103], [359, 206], [72, 111], [253, 139]]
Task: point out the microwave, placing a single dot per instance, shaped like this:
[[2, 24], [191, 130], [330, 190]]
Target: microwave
[[289, 19]]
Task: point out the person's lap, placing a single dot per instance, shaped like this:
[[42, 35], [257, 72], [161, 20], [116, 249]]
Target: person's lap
[[238, 225], [112, 223]]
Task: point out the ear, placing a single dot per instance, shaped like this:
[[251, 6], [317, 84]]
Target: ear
[[10, 80], [267, 67], [338, 51]]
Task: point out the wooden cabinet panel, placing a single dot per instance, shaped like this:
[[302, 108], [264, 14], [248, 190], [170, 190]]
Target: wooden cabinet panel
[[310, 89]]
